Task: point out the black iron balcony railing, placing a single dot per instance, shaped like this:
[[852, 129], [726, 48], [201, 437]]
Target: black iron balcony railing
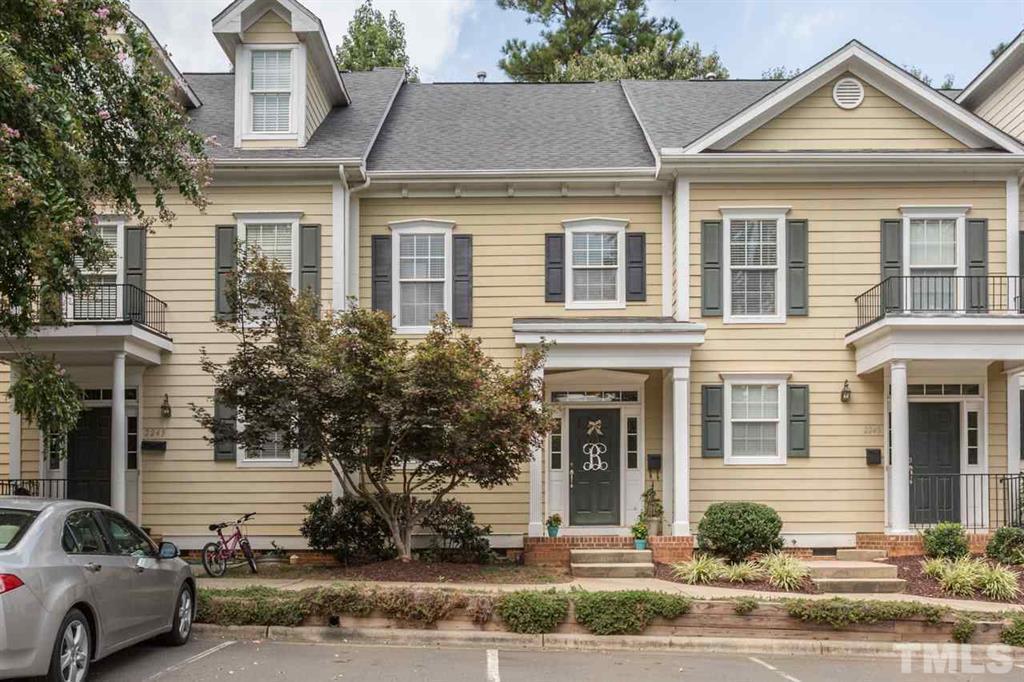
[[940, 294], [100, 302], [57, 488], [976, 501]]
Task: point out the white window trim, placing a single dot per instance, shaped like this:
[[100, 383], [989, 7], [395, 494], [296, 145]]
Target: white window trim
[[292, 217], [782, 446], [778, 214], [958, 213], [615, 226], [277, 463], [243, 101], [419, 226], [118, 222]]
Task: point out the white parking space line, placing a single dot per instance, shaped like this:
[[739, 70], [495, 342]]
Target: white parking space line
[[492, 666], [774, 669], [190, 659]]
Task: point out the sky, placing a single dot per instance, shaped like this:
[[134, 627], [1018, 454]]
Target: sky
[[451, 40]]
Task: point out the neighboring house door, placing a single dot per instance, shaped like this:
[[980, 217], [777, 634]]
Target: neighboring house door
[[935, 460], [594, 467], [89, 457]]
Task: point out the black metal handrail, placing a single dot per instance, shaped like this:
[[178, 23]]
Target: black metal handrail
[[57, 488], [940, 294], [104, 303], [976, 501]]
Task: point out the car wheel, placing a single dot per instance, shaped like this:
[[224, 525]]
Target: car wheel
[[181, 624], [72, 650]]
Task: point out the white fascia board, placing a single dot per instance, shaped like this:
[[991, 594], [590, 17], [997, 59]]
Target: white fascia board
[[635, 342], [858, 59], [993, 75], [627, 326]]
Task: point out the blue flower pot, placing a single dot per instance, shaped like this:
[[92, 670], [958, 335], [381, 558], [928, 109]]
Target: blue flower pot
[[639, 544], [552, 531]]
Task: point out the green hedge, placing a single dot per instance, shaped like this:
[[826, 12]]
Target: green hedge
[[533, 613], [841, 613], [626, 613]]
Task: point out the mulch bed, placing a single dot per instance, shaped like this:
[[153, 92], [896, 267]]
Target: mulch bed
[[415, 571], [919, 584], [664, 572]]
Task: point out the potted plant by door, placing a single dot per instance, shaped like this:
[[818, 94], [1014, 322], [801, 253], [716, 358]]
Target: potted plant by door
[[653, 511], [554, 522], [640, 533]]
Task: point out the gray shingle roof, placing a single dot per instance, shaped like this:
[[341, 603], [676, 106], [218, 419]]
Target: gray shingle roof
[[345, 133], [675, 113], [517, 126]]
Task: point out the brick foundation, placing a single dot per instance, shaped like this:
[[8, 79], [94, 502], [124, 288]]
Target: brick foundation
[[912, 544], [546, 551]]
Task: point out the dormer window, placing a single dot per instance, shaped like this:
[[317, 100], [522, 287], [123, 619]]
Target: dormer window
[[271, 91]]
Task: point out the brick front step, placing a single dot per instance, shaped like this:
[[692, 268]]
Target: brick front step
[[860, 585], [631, 570], [851, 569], [610, 556], [545, 551]]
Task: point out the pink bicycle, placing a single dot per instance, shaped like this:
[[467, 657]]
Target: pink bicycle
[[216, 555]]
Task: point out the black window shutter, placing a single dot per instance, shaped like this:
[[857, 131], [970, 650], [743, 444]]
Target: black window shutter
[[554, 267], [892, 264], [798, 431], [135, 273], [309, 258], [977, 265], [380, 272], [462, 280], [796, 267], [224, 449], [224, 265], [711, 415], [636, 267], [711, 269]]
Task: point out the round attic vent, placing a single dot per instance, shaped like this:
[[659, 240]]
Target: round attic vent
[[848, 93]]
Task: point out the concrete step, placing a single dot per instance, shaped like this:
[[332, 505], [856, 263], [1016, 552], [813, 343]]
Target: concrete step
[[860, 554], [851, 569], [612, 570], [610, 556], [860, 586]]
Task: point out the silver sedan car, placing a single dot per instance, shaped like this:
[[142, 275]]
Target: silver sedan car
[[79, 581]]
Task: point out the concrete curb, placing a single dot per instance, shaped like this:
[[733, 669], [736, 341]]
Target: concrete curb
[[568, 642]]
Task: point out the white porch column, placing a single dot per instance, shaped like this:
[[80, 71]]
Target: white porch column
[[536, 527], [900, 469], [680, 451], [14, 435], [1014, 384], [118, 451]]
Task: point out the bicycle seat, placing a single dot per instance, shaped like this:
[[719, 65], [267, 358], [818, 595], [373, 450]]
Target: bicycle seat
[[217, 526]]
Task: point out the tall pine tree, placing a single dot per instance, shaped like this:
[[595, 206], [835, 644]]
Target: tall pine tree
[[373, 41]]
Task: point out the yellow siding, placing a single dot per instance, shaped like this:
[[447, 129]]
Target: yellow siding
[[817, 123], [1004, 108], [832, 491], [316, 102], [185, 489], [270, 29]]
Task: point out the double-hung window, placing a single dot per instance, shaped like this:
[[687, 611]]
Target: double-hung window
[[272, 452], [934, 259], [595, 276], [755, 257], [421, 258], [275, 235], [270, 91], [99, 296], [755, 426]]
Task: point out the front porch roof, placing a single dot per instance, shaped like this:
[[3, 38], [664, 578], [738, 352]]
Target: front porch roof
[[611, 342], [92, 344]]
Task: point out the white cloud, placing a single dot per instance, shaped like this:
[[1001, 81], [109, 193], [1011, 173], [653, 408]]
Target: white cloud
[[432, 28]]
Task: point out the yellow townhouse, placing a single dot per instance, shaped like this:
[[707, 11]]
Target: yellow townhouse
[[804, 293]]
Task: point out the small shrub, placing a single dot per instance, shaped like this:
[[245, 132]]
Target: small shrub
[[419, 606], [1007, 546], [963, 630], [935, 568], [946, 541], [334, 601], [456, 535], [251, 606], [481, 607], [961, 577], [998, 582], [841, 613], [735, 530], [784, 571], [700, 570], [533, 613], [348, 528], [744, 605], [1013, 634], [626, 613], [745, 572]]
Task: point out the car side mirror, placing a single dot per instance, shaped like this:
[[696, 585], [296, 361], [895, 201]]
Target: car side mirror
[[168, 550]]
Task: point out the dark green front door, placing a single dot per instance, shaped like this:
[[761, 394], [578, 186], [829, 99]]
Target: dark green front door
[[935, 462], [594, 467], [89, 457]]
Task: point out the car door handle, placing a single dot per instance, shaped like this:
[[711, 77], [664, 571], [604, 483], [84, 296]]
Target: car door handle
[[94, 567]]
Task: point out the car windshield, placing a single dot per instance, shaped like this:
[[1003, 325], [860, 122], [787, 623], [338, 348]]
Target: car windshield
[[13, 524]]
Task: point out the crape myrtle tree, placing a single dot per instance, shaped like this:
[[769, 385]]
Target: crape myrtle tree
[[87, 118], [401, 424]]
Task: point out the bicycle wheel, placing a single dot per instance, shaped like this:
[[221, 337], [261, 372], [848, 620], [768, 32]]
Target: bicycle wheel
[[249, 557], [214, 562]]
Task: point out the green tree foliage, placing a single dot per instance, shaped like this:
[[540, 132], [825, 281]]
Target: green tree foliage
[[401, 425], [86, 116], [916, 72], [602, 40], [373, 41], [779, 73], [998, 49]]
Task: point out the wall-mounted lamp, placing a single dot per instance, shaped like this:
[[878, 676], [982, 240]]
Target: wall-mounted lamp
[[846, 393], [165, 408]]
